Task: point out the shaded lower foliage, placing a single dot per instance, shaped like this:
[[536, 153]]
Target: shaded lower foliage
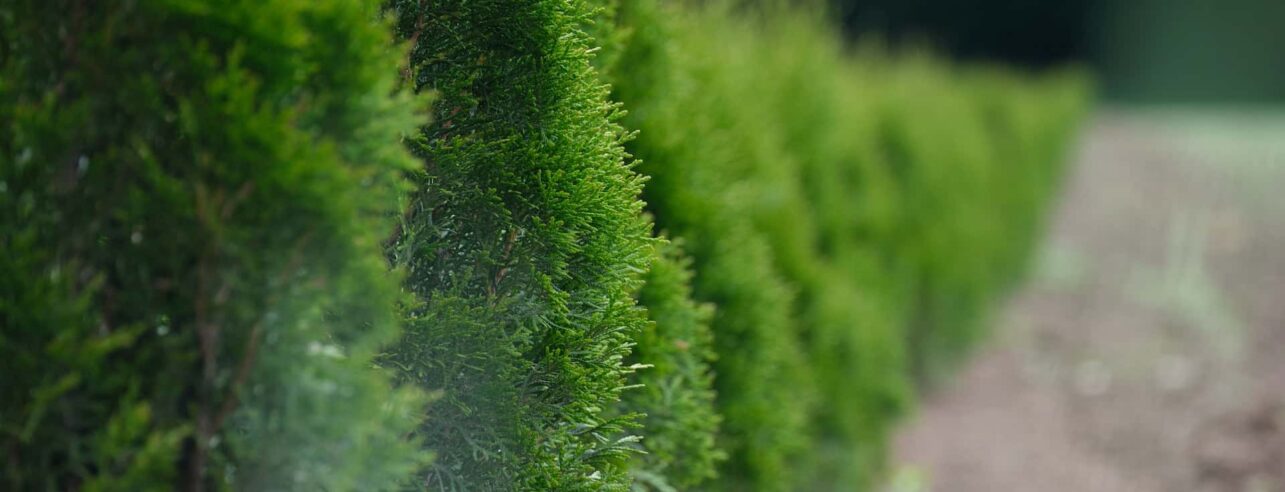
[[674, 394]]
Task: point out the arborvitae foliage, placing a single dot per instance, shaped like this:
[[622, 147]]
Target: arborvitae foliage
[[523, 242], [193, 196], [848, 309], [675, 393], [877, 206], [192, 286], [691, 144], [673, 388], [974, 155]]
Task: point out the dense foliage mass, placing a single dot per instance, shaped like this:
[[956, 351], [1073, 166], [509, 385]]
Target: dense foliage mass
[[850, 217], [674, 395], [523, 241], [192, 198], [205, 216]]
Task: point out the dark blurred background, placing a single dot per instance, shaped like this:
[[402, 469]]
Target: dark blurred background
[[1143, 51]]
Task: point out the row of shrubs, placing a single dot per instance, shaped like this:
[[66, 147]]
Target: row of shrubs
[[490, 244], [850, 216]]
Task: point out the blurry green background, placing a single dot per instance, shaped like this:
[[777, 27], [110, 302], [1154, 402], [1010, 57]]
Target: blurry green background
[[1144, 51]]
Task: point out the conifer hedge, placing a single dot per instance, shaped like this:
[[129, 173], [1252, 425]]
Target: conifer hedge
[[232, 256], [851, 217], [192, 286], [691, 144], [523, 242]]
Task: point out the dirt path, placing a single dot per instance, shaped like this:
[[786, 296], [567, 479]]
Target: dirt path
[[1147, 352]]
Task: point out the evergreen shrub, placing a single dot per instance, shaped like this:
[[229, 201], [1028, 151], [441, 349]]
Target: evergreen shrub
[[673, 391], [221, 269], [192, 285], [851, 215], [524, 244], [691, 143]]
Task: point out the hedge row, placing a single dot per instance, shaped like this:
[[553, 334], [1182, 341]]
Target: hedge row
[[851, 217], [207, 208]]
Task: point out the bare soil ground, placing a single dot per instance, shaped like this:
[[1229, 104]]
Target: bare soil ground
[[1147, 353]]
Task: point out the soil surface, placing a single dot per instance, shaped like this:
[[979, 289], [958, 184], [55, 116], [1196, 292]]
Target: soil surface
[[1147, 350]]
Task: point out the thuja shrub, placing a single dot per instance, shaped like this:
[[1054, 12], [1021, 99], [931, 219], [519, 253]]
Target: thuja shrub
[[852, 217], [849, 307], [771, 151], [975, 155], [814, 166], [690, 146], [523, 242], [673, 391], [192, 284], [672, 388]]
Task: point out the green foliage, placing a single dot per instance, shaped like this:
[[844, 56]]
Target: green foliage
[[199, 203], [693, 146], [675, 394], [851, 216], [192, 289], [1002, 140], [524, 243]]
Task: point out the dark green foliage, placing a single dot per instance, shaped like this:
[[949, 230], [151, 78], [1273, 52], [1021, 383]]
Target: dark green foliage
[[524, 242], [192, 289], [676, 395]]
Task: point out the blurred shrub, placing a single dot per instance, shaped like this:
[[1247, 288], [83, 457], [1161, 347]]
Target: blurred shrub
[[850, 215], [524, 243], [701, 156], [976, 154], [674, 393], [192, 288]]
